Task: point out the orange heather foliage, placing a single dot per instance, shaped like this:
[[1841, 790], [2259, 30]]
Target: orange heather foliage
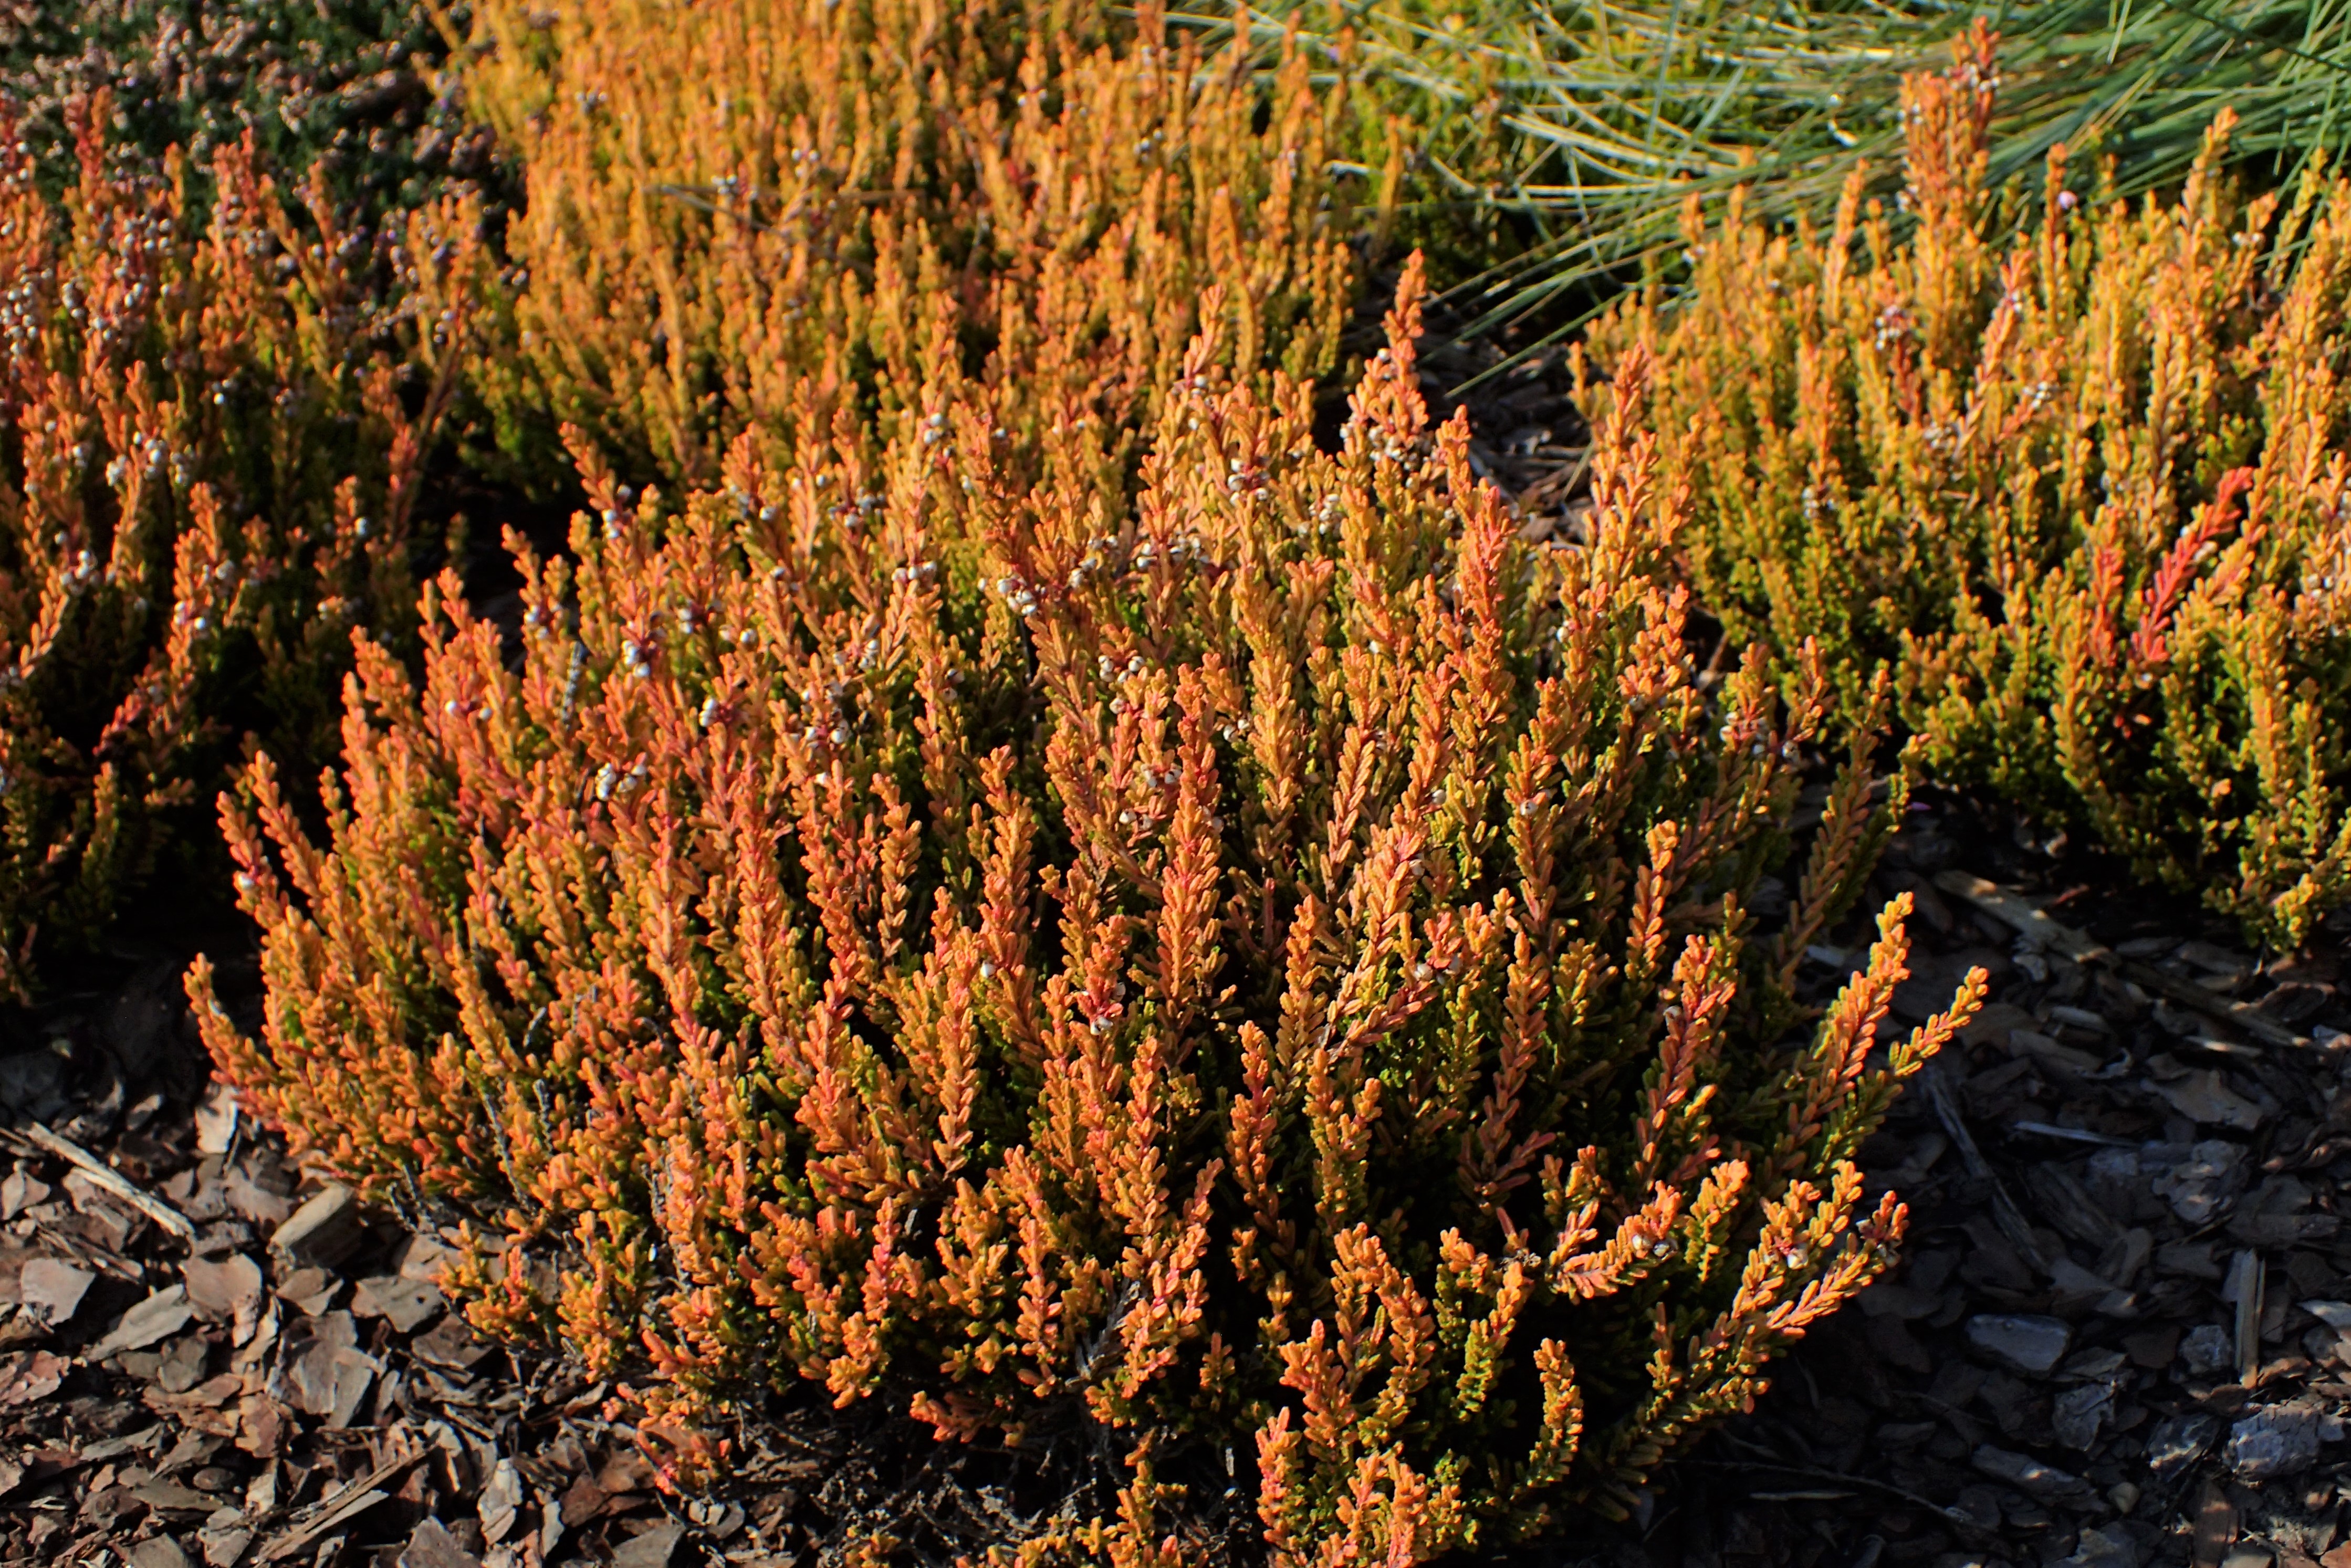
[[2083, 495], [753, 214], [212, 437], [1273, 968]]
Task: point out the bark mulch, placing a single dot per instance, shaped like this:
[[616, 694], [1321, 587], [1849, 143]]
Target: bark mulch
[[208, 1356], [2120, 1335]]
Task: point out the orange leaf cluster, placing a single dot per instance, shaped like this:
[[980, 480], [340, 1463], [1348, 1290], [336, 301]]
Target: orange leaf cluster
[[767, 214]]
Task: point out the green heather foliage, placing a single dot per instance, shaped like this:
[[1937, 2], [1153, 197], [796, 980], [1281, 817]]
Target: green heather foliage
[[2080, 490]]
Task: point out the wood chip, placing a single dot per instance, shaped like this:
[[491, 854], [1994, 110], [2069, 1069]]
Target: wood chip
[[2216, 1527], [54, 1288], [161, 1316], [2043, 930]]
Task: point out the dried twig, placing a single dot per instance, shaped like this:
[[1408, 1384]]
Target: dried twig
[[2004, 1212], [1814, 1472], [2073, 1134], [2245, 1284], [104, 1175], [2042, 929], [348, 1502]]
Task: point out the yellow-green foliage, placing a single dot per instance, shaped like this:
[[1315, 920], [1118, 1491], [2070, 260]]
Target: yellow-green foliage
[[2082, 492], [753, 214], [211, 440], [1265, 972]]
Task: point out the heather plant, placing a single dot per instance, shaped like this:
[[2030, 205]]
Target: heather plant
[[1553, 146], [2081, 492], [211, 435], [755, 221], [1273, 971]]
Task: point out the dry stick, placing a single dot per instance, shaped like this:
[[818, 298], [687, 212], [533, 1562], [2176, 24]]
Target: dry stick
[[2245, 1278], [2073, 1134], [2039, 927], [353, 1498], [2004, 1212], [1814, 1472], [106, 1177]]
